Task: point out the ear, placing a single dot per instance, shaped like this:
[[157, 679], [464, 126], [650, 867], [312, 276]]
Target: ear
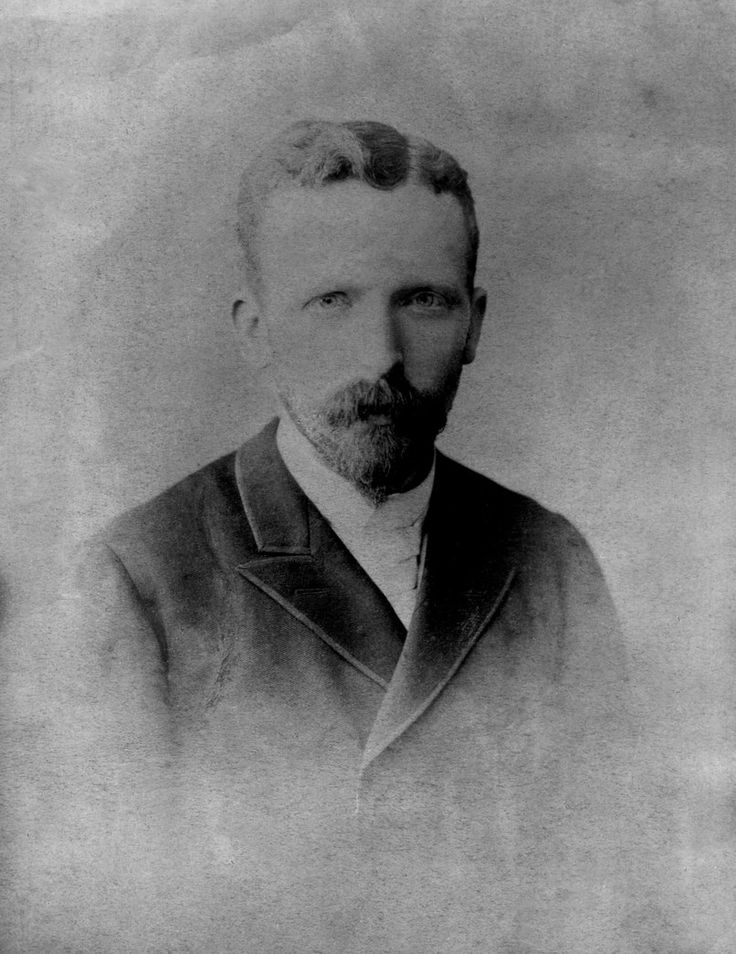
[[477, 313], [254, 345]]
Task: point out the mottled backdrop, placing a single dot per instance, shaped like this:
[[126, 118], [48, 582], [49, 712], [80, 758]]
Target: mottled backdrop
[[600, 136]]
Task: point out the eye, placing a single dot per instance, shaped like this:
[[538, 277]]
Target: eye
[[427, 300], [330, 301]]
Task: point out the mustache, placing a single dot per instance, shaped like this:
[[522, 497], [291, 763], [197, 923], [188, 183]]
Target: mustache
[[391, 395]]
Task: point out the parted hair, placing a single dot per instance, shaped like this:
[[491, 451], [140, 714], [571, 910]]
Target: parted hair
[[314, 153]]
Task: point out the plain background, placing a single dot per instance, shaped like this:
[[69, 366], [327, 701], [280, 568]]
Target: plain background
[[600, 137]]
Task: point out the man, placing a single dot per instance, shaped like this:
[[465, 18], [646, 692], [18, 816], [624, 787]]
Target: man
[[400, 685]]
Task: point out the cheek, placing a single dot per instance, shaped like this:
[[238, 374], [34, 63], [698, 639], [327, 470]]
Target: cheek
[[294, 350], [434, 353], [288, 335], [302, 364], [322, 352]]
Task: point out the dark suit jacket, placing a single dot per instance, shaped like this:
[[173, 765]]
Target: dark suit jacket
[[461, 777]]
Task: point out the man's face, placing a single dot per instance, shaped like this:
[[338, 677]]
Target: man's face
[[368, 319]]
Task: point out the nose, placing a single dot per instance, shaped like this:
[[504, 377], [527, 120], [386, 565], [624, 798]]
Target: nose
[[378, 347]]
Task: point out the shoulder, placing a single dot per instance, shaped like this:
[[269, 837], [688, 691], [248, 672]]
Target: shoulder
[[200, 517], [172, 540], [560, 587], [176, 514], [500, 510], [553, 561]]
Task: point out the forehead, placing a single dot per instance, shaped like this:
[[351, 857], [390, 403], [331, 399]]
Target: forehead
[[350, 222]]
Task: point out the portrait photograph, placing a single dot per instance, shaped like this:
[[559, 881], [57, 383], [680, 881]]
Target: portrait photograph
[[368, 542]]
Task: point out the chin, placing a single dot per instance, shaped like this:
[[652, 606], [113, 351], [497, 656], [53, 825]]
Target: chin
[[380, 454], [376, 457]]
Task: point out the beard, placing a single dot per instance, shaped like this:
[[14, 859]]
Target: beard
[[379, 436]]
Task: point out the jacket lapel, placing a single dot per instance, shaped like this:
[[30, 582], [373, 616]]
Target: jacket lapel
[[473, 547], [469, 567], [303, 566]]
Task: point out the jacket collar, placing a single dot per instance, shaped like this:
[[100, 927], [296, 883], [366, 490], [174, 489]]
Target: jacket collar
[[277, 510], [302, 564], [299, 562], [470, 565]]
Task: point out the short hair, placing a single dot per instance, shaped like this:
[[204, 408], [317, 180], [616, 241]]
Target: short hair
[[314, 153]]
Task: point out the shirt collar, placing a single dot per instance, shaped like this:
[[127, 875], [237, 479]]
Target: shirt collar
[[337, 499]]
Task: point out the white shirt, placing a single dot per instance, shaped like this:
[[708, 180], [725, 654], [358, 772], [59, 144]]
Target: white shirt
[[386, 539]]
